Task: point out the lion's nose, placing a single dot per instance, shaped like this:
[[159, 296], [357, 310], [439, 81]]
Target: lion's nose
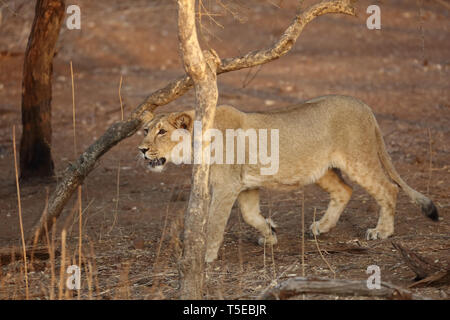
[[144, 150]]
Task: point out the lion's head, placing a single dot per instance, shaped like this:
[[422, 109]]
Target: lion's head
[[157, 144]]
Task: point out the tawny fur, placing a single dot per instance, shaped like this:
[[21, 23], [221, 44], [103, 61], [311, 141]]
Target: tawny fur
[[315, 138]]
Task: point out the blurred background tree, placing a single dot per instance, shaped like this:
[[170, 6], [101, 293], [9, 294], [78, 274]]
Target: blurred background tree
[[35, 145]]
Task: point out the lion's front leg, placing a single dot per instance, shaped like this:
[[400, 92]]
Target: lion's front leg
[[219, 212], [249, 204]]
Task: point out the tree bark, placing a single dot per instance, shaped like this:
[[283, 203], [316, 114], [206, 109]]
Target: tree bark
[[35, 145], [78, 171], [202, 69], [340, 287]]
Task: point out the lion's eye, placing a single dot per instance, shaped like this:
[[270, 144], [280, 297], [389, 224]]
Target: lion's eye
[[145, 131], [161, 131]]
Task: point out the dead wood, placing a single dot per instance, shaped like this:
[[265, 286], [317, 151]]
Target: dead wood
[[340, 287], [427, 273], [437, 279], [343, 249], [421, 266]]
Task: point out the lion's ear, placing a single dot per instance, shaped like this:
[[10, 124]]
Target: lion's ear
[[147, 116], [181, 121]]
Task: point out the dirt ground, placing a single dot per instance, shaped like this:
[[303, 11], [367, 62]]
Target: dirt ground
[[131, 217]]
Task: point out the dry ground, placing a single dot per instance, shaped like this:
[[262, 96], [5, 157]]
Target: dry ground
[[402, 71]]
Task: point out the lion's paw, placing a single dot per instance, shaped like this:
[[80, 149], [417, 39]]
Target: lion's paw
[[314, 229], [374, 234], [270, 240]]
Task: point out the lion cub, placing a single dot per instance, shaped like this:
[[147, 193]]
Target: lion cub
[[314, 141]]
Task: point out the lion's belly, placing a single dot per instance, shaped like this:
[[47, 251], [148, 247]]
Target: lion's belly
[[291, 179]]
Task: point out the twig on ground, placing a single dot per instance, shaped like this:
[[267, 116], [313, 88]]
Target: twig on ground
[[62, 265], [301, 285], [429, 273]]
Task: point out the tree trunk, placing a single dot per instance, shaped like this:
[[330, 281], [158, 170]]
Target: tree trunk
[[202, 68], [35, 145], [76, 172]]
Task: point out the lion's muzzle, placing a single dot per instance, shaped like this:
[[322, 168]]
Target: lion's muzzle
[[157, 162]]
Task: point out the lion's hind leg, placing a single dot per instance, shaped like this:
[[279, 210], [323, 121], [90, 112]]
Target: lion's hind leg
[[340, 193], [249, 205], [371, 176]]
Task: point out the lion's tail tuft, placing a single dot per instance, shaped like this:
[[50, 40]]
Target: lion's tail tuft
[[427, 206]]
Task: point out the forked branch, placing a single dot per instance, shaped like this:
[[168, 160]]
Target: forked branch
[[76, 172]]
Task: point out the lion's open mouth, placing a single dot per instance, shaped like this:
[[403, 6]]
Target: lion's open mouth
[[157, 162]]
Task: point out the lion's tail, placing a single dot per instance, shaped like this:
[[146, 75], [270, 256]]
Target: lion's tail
[[427, 206]]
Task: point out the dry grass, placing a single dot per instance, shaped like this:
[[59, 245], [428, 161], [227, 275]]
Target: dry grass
[[75, 153], [20, 215], [320, 251], [111, 270], [120, 163]]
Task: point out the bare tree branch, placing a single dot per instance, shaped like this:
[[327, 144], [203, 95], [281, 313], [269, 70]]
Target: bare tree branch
[[78, 171], [299, 285], [289, 37]]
